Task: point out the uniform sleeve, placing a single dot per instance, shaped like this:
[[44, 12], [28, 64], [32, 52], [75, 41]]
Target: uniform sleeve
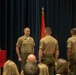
[[19, 42], [68, 43], [33, 42], [41, 44], [57, 46]]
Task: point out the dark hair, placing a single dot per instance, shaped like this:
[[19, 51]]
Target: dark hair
[[48, 29], [31, 69], [73, 30]]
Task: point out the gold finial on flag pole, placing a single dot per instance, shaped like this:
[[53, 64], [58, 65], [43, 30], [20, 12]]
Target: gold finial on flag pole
[[42, 8]]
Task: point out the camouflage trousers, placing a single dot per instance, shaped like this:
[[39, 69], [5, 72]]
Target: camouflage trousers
[[49, 61], [24, 57], [73, 64]]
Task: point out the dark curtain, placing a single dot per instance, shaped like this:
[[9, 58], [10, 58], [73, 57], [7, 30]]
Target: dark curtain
[[15, 15]]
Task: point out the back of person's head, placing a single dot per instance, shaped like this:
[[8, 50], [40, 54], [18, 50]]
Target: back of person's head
[[31, 68], [10, 68], [62, 67], [47, 30], [43, 69], [31, 58], [73, 31]]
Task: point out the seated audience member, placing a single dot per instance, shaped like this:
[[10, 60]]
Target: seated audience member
[[62, 67], [31, 68], [10, 68], [43, 69], [30, 58]]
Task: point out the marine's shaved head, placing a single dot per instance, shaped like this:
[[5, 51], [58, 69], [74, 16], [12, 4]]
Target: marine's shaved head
[[27, 31]]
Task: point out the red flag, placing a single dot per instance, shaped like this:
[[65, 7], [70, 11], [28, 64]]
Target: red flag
[[42, 23], [2, 57]]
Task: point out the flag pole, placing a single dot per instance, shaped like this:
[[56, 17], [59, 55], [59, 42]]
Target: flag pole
[[42, 23]]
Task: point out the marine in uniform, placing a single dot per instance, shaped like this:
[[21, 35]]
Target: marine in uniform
[[47, 49], [71, 51], [24, 46]]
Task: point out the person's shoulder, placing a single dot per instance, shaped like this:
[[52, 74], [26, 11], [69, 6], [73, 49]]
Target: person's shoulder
[[31, 38], [42, 39], [70, 38], [54, 38], [21, 37]]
